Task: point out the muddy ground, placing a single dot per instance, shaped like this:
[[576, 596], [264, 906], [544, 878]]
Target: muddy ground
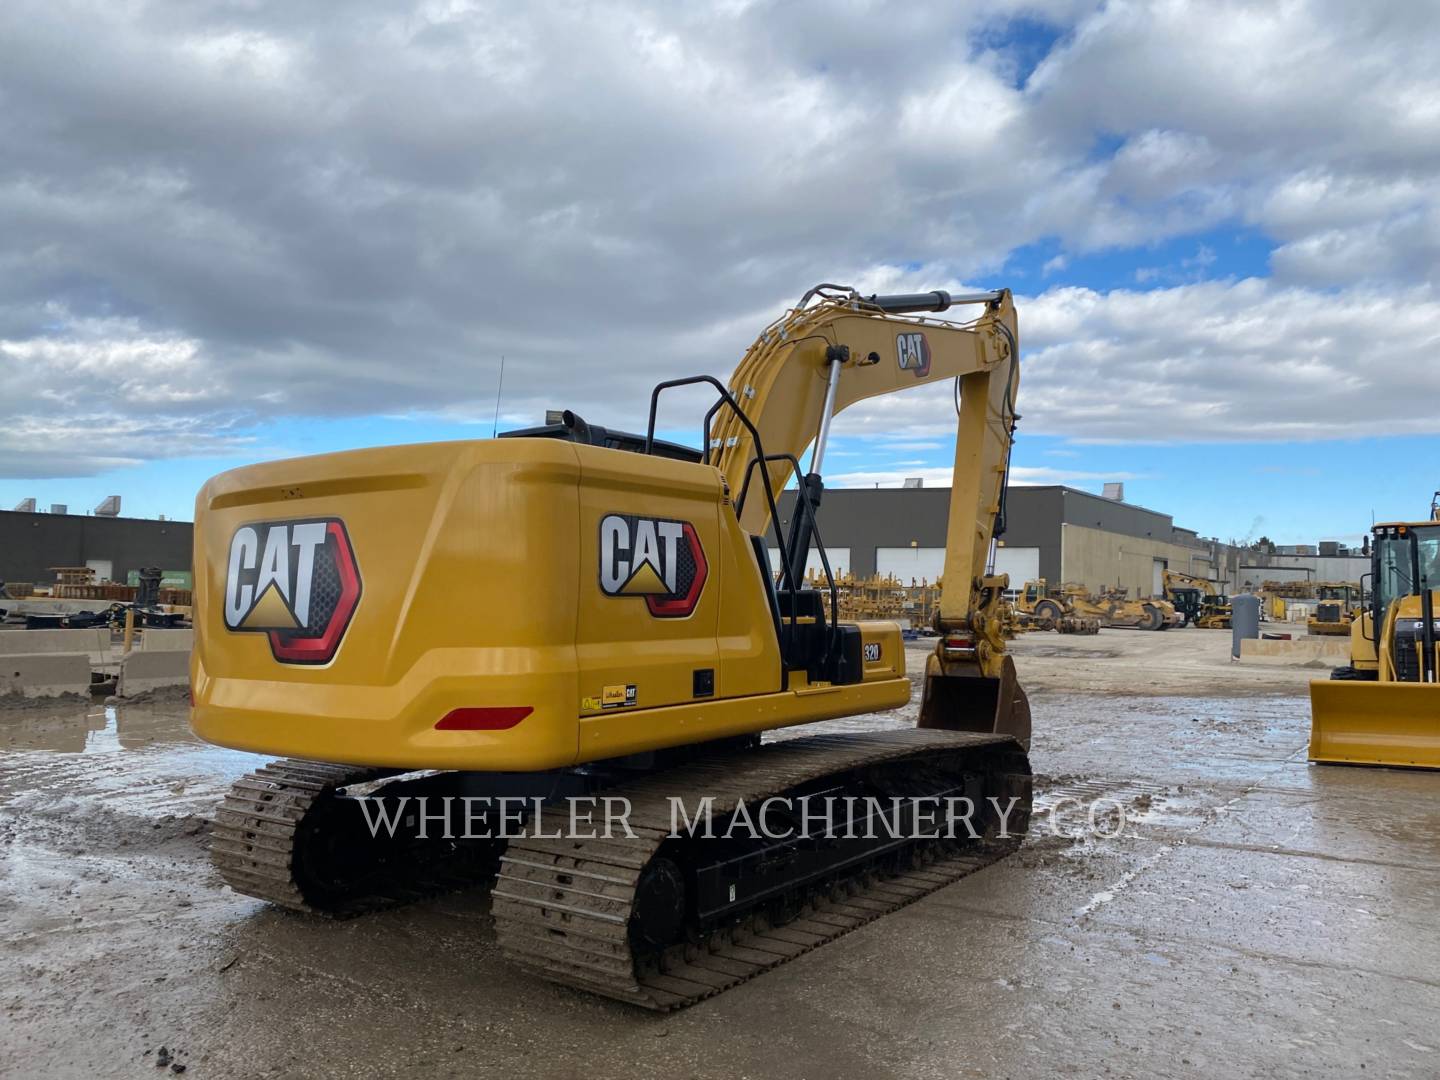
[[1258, 917]]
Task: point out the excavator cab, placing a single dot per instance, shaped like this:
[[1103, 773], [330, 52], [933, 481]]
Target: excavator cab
[[1384, 707]]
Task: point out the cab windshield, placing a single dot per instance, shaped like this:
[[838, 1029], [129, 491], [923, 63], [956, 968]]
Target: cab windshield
[[1406, 565]]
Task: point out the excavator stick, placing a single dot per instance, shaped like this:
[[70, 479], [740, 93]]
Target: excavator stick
[[1375, 723]]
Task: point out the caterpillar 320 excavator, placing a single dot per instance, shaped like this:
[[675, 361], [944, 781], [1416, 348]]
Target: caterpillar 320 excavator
[[1383, 708], [574, 612]]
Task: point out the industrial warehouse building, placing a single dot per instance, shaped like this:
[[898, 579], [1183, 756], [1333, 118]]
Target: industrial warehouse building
[[32, 544], [1054, 532]]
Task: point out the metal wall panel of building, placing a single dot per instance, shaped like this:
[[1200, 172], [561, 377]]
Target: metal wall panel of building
[[906, 563], [1021, 563], [30, 544], [839, 561]]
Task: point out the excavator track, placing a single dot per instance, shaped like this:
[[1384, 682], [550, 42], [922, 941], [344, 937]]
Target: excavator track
[[277, 837], [568, 910]]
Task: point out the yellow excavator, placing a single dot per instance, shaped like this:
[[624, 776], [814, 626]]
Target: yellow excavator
[[1383, 708], [1197, 601], [573, 613]]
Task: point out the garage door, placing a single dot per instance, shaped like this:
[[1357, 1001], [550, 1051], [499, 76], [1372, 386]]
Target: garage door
[[839, 561], [910, 562], [1021, 563]]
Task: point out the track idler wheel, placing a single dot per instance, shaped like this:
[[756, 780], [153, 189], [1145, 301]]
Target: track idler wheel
[[658, 918]]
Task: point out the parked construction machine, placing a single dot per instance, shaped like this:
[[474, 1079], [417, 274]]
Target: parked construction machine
[[632, 647], [1336, 603], [1033, 598], [1036, 609], [1383, 708], [1197, 601], [1113, 608]]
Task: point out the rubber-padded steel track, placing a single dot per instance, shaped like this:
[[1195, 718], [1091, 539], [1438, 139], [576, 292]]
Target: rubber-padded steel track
[[563, 908]]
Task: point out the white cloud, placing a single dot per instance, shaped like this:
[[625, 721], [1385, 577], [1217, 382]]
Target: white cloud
[[219, 214], [1247, 360]]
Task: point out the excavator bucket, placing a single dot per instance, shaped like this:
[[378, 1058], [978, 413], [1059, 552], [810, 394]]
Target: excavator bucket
[[1375, 723]]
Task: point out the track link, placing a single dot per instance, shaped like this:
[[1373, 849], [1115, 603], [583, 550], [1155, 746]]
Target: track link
[[274, 839], [564, 908]]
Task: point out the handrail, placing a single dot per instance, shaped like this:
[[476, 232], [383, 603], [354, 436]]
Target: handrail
[[808, 508], [726, 398]]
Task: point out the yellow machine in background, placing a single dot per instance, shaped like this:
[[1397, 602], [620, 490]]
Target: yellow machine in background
[[1336, 605], [1035, 609], [1384, 707], [1197, 601], [574, 611], [1114, 609], [1033, 598]]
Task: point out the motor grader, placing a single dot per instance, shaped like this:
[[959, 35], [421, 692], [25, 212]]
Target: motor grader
[[1383, 708], [633, 647]]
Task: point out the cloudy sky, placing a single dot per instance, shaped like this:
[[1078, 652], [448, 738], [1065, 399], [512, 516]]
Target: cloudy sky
[[244, 229]]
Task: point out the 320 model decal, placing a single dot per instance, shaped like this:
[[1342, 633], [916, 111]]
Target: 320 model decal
[[656, 558], [296, 581]]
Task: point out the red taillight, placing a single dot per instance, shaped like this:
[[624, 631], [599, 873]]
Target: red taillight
[[488, 719]]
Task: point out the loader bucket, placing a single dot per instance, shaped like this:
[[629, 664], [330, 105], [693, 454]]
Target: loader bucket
[[1375, 723]]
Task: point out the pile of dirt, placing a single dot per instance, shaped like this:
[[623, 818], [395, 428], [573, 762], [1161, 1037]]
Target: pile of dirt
[[160, 695], [15, 701]]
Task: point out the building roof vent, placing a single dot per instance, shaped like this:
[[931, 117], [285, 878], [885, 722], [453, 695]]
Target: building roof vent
[[914, 482], [1114, 491], [59, 508], [109, 508], [26, 506]]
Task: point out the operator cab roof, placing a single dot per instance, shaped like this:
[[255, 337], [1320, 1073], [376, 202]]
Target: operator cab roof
[[595, 435]]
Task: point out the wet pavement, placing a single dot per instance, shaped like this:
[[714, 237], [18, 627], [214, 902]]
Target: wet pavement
[[1257, 916]]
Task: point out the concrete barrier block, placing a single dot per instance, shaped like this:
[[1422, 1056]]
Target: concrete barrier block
[[1316, 652], [142, 671], [94, 639], [45, 674], [167, 640]]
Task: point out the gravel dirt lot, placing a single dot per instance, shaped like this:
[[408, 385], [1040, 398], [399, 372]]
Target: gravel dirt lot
[[1257, 917]]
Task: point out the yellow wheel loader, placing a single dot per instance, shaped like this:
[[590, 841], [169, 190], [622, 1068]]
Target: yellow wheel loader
[[451, 644], [1383, 708], [1335, 608]]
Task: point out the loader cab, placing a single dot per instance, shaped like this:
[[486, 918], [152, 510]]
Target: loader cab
[[1188, 600], [1405, 562]]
